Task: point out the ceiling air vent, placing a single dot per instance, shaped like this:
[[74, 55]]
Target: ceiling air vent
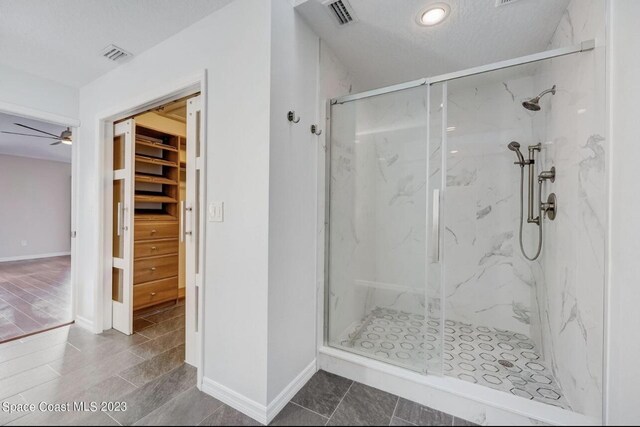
[[504, 2], [114, 53], [341, 10]]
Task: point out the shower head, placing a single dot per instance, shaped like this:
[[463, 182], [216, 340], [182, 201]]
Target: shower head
[[533, 104], [515, 147]]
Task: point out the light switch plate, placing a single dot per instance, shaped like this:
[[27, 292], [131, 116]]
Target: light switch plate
[[215, 212]]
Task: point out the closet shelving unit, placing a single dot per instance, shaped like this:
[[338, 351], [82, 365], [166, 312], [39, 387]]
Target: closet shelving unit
[[156, 220]]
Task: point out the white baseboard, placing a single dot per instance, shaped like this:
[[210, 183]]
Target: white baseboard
[[290, 390], [237, 401], [27, 257], [261, 413], [85, 323]]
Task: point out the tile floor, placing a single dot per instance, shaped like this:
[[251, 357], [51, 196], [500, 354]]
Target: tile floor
[[34, 295], [495, 358], [146, 371]]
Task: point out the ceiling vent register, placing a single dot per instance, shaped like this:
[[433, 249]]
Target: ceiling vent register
[[342, 11], [114, 53]]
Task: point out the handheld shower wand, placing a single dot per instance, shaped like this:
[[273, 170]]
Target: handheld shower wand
[[515, 147]]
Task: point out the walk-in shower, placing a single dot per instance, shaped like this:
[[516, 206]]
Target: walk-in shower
[[424, 267]]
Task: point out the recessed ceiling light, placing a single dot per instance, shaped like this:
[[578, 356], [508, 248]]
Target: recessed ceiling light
[[434, 14], [451, 128], [454, 151]]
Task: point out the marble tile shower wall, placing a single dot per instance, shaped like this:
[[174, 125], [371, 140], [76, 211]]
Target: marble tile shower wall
[[487, 282], [378, 207], [571, 300]]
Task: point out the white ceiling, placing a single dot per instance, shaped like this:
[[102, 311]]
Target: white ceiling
[[37, 148], [62, 39], [386, 46]]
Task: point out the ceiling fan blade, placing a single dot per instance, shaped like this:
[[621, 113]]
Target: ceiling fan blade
[[33, 136], [56, 143], [37, 130]]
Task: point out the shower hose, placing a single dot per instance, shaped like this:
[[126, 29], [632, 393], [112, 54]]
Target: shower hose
[[535, 257]]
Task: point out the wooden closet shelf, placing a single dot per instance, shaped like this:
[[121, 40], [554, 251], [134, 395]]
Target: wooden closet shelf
[[155, 179], [159, 145], [153, 215], [152, 198], [155, 161]]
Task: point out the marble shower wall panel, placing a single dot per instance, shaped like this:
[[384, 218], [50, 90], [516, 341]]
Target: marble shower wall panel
[[571, 302], [487, 281], [393, 128]]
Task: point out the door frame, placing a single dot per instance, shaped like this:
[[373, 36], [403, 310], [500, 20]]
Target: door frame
[[74, 124], [163, 94]]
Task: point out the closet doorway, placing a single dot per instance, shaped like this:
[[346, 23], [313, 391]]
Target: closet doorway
[[155, 200]]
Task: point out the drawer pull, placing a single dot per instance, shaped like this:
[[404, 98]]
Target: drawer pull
[[153, 269], [154, 231], [153, 248], [153, 294]]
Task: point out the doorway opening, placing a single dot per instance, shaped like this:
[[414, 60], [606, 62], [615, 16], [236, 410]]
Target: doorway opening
[[154, 224], [36, 292]]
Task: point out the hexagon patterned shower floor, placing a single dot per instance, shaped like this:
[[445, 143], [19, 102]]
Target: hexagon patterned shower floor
[[495, 358]]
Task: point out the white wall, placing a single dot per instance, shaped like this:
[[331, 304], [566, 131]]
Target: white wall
[[26, 90], [292, 198], [233, 44], [36, 207], [624, 245]]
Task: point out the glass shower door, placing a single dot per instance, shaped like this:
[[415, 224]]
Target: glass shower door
[[379, 228]]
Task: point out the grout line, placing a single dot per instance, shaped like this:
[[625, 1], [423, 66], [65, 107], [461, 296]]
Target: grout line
[[124, 379], [307, 409], [340, 403], [109, 415], [395, 408]]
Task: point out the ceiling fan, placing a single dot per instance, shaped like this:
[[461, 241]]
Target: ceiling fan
[[63, 138]]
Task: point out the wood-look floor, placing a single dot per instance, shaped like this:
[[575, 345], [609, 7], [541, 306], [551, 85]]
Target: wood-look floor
[[35, 295], [148, 373]]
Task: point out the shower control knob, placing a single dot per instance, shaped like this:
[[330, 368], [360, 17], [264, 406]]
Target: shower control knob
[[548, 175], [550, 209]]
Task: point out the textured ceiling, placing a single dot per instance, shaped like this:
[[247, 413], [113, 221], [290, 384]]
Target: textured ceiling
[[62, 39], [37, 148], [387, 46]]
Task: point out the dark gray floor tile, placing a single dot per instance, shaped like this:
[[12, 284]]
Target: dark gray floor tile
[[421, 415], [81, 379], [162, 328], [460, 422], [106, 391], [26, 380], [94, 419], [35, 359], [159, 345], [364, 405], [227, 416], [398, 422], [188, 409], [166, 314], [139, 324], [153, 395], [322, 393], [155, 367], [294, 415], [6, 417]]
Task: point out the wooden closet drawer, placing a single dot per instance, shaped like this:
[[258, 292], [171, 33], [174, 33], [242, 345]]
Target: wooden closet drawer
[[155, 230], [155, 292], [147, 248], [154, 268]]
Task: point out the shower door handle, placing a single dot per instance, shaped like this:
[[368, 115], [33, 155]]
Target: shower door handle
[[435, 230]]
